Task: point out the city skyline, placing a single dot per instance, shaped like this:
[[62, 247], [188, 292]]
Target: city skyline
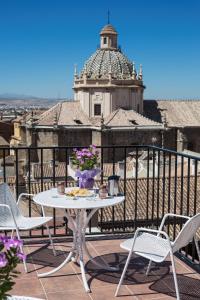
[[41, 42]]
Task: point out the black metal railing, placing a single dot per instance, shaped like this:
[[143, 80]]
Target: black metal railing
[[154, 181]]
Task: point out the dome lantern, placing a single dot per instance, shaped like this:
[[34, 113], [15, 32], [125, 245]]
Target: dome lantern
[[108, 37]]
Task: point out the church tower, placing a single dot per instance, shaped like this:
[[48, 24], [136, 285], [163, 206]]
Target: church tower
[[109, 79]]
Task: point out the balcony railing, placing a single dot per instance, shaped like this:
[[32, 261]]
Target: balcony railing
[[154, 181]]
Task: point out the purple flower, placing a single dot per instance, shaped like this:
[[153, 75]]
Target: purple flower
[[3, 260], [12, 243], [89, 154], [3, 238], [21, 256], [93, 146]]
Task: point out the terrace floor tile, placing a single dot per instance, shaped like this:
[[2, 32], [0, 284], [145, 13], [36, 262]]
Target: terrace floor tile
[[67, 283]]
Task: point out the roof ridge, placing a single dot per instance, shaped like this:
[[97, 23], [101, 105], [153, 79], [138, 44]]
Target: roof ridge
[[58, 115], [177, 100], [144, 117], [113, 114], [47, 112]]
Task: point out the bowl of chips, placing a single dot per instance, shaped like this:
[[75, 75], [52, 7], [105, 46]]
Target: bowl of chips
[[78, 192]]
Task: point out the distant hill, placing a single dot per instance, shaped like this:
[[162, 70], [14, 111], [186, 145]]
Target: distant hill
[[18, 100]]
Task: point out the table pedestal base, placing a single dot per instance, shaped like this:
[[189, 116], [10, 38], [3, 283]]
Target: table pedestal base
[[78, 225]]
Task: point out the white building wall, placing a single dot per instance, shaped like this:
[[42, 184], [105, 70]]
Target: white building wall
[[110, 99]]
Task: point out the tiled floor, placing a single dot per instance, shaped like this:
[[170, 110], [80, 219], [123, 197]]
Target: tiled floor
[[67, 283]]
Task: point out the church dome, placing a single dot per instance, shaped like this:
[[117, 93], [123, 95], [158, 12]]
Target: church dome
[[105, 61], [108, 59]]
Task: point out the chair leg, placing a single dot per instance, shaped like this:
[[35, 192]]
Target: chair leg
[[175, 277], [149, 267], [123, 274], [197, 247], [51, 240], [21, 249]]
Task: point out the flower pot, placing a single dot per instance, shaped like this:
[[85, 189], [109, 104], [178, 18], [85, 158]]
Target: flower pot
[[86, 178]]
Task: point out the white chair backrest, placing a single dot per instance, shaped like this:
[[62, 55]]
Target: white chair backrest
[[6, 197], [187, 233]]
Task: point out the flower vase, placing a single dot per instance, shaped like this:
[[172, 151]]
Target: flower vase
[[86, 178]]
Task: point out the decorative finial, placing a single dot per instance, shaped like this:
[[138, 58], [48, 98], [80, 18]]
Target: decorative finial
[[55, 123], [108, 16], [140, 76], [134, 73], [165, 120], [75, 70]]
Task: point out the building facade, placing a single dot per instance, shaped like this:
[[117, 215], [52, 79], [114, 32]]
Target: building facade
[[108, 109]]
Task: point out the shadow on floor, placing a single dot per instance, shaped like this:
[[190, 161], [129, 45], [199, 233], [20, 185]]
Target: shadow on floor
[[135, 273], [189, 288], [44, 257], [162, 281]]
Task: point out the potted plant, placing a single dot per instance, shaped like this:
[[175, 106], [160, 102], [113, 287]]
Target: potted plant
[[10, 256], [85, 160]]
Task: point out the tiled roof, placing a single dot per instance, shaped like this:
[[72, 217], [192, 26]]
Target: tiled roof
[[155, 197], [174, 199], [60, 170], [178, 113], [121, 117], [64, 113], [29, 115], [3, 142], [9, 179]]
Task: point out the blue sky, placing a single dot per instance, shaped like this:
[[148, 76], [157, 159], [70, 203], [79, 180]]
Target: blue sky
[[41, 40]]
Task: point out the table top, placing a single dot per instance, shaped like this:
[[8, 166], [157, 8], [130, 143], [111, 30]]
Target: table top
[[51, 198]]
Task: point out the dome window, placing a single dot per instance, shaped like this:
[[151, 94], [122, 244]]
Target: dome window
[[97, 109], [105, 40]]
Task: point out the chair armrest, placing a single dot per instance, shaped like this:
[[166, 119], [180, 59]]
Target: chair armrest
[[159, 232], [11, 213], [22, 195], [171, 215], [27, 194]]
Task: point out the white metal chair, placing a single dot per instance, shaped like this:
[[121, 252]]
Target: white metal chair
[[12, 219], [155, 245]]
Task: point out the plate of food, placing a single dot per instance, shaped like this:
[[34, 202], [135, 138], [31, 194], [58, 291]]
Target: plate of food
[[78, 192]]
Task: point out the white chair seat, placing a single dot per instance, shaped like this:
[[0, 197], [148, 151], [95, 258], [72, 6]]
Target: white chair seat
[[25, 223], [149, 246]]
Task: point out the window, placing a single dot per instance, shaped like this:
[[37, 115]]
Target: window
[[77, 121], [105, 40], [97, 109], [133, 122]]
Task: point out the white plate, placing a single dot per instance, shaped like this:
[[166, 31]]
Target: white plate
[[91, 193]]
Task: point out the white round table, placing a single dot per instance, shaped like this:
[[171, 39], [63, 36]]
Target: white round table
[[77, 224]]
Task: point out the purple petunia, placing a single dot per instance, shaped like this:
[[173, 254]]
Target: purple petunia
[[3, 238], [3, 260], [12, 243], [21, 256]]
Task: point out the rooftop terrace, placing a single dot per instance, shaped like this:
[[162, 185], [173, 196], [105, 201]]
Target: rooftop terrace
[[67, 283]]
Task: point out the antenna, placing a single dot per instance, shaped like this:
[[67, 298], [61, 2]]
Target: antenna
[[108, 16]]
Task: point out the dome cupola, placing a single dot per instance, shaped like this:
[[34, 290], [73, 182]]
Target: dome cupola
[[108, 37]]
